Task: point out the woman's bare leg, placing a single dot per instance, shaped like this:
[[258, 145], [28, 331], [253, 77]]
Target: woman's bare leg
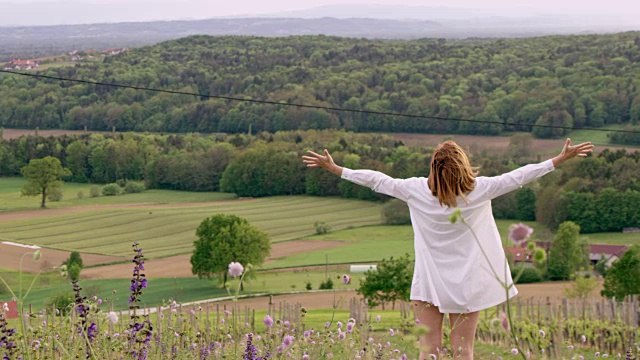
[[430, 316], [463, 333]]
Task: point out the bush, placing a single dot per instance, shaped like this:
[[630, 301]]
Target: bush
[[61, 301], [308, 286], [132, 187], [322, 228], [112, 189], [94, 191], [396, 212], [529, 275], [55, 194], [73, 271], [326, 285]]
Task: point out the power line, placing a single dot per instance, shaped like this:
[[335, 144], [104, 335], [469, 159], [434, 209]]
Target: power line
[[318, 107]]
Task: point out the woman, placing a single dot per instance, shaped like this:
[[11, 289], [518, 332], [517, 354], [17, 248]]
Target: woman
[[451, 274]]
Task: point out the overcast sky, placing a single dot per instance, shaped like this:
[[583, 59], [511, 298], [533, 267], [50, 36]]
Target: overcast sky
[[34, 12]]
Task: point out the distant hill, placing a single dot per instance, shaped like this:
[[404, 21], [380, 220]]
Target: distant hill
[[353, 21]]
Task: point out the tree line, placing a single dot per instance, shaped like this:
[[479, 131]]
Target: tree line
[[599, 193], [570, 81]]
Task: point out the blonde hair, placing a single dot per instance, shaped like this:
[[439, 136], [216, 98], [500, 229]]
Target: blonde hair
[[451, 174]]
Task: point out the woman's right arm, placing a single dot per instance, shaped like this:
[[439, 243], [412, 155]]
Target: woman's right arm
[[374, 180]]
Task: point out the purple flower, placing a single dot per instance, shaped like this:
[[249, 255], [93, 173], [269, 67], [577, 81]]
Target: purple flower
[[286, 342], [346, 279], [350, 327], [113, 317], [569, 347], [519, 233], [504, 321], [391, 332], [378, 318], [92, 332], [305, 357], [341, 334], [514, 351], [542, 333], [584, 339], [268, 320], [235, 269]]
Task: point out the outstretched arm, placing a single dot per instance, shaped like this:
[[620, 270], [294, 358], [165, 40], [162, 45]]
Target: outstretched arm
[[569, 151], [374, 180], [325, 162]]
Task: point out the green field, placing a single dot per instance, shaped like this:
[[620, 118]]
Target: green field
[[11, 199], [165, 231], [598, 138]]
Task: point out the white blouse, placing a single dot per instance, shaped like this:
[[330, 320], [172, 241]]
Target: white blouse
[[450, 270]]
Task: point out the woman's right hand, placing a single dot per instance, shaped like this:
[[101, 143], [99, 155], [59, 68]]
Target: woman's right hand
[[326, 162], [570, 151]]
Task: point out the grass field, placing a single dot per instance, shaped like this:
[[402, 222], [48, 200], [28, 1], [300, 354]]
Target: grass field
[[11, 199], [165, 231], [372, 243]]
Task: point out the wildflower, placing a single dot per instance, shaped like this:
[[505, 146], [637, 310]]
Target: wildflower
[[583, 339], [5, 307], [327, 324], [268, 320], [378, 318], [346, 279], [286, 342], [417, 321], [35, 344], [192, 312], [287, 323], [597, 354], [570, 347], [92, 332], [350, 327], [339, 324], [305, 356], [341, 335], [542, 333], [391, 332], [519, 233], [235, 269], [504, 321], [113, 317], [514, 351]]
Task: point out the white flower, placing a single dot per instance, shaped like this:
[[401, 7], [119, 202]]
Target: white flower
[[235, 269], [113, 317]]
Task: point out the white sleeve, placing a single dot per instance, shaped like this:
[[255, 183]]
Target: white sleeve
[[379, 182], [492, 187]]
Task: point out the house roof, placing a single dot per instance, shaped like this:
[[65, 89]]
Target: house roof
[[604, 249], [519, 254]]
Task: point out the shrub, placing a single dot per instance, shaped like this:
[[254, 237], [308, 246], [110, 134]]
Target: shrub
[[132, 187], [55, 194], [396, 212], [112, 189], [61, 301], [308, 286], [73, 271], [94, 191], [326, 285], [322, 228], [529, 275]]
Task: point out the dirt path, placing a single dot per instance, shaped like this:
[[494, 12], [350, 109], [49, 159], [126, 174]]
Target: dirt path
[[11, 256], [179, 265]]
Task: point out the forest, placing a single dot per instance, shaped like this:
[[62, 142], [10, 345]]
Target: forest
[[545, 85], [599, 193]]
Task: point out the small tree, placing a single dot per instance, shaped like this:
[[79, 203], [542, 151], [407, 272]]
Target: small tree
[[44, 177], [623, 277], [566, 254], [390, 282], [225, 238], [74, 265]]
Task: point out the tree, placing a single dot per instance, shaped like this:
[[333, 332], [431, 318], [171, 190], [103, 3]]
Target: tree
[[391, 281], [566, 254], [225, 238], [623, 277], [44, 177], [526, 204], [74, 265]]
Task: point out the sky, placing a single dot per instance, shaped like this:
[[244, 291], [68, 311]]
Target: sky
[[49, 12]]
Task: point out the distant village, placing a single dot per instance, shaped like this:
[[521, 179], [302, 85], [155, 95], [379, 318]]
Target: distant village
[[75, 56]]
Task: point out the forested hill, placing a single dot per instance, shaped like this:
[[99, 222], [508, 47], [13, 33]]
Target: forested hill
[[573, 81]]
